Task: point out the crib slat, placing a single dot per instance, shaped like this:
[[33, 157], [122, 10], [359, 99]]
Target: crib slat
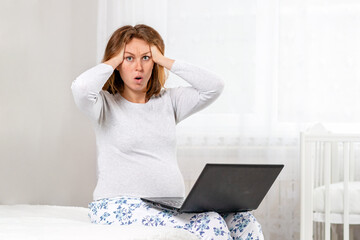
[[316, 164], [352, 162], [327, 165], [317, 159], [335, 174], [306, 190], [347, 153], [320, 149]]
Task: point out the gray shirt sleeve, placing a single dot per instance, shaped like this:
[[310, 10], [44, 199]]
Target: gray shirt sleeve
[[87, 87], [205, 88]]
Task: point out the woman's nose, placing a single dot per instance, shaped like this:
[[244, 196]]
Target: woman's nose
[[138, 66]]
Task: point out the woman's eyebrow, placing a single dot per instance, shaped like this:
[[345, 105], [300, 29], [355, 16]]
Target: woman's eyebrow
[[134, 54]]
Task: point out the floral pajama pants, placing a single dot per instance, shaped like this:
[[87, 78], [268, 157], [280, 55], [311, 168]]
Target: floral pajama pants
[[207, 225]]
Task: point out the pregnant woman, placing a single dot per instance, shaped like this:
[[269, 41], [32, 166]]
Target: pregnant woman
[[134, 119]]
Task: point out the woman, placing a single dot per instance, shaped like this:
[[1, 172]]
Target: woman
[[134, 118]]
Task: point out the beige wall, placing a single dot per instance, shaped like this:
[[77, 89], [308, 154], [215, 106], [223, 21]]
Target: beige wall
[[47, 147]]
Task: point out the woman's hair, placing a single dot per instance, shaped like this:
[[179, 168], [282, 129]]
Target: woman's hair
[[123, 36]]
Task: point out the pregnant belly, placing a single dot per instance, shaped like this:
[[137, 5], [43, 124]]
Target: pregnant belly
[[151, 181]]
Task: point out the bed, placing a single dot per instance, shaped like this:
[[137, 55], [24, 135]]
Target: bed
[[46, 222]]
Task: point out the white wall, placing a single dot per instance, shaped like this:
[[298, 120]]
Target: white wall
[[47, 147]]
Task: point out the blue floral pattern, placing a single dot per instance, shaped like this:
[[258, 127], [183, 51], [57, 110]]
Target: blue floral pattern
[[207, 225], [239, 225], [124, 212], [153, 221]]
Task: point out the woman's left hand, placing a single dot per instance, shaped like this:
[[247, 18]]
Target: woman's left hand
[[160, 59], [156, 54]]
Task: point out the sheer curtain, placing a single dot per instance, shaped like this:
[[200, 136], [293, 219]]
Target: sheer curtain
[[286, 65]]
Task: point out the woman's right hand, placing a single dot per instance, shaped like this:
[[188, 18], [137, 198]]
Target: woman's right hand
[[116, 61]]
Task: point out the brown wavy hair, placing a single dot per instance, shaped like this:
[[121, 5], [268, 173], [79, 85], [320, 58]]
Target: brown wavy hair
[[122, 36]]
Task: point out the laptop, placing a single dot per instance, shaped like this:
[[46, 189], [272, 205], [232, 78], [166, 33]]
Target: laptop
[[224, 188]]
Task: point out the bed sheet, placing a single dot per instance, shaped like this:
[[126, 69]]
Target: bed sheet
[[46, 222]]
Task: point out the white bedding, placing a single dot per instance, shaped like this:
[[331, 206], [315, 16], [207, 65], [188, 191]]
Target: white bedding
[[43, 222], [336, 198]]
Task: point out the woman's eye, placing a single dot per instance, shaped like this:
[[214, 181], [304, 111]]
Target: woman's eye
[[147, 57], [127, 58]]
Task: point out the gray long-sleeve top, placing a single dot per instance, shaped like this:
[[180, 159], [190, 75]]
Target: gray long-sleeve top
[[136, 142]]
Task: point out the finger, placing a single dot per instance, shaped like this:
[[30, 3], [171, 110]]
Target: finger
[[153, 48], [121, 54], [151, 51]]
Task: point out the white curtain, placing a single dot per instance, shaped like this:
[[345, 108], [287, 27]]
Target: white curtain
[[286, 65]]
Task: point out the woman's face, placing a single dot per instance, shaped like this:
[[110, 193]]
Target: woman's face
[[137, 63]]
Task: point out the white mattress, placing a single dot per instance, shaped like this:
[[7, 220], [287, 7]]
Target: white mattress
[[43, 222], [336, 198]]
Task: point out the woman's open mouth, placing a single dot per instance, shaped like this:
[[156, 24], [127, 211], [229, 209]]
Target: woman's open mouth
[[138, 79]]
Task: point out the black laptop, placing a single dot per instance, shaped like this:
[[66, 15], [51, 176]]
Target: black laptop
[[224, 188]]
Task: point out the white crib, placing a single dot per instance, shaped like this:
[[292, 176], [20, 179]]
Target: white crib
[[330, 186]]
